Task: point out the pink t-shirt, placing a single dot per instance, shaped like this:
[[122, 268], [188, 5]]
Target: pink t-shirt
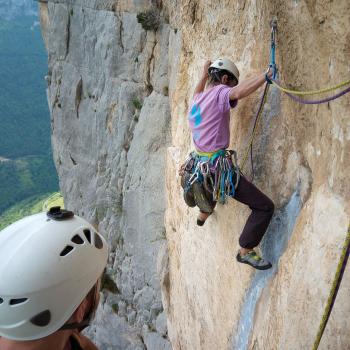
[[209, 118]]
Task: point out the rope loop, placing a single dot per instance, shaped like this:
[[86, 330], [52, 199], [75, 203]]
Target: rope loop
[[312, 92]]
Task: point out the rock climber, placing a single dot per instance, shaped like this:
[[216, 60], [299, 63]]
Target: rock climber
[[50, 268], [210, 173]]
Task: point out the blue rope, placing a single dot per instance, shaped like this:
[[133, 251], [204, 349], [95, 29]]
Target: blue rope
[[232, 192], [222, 185]]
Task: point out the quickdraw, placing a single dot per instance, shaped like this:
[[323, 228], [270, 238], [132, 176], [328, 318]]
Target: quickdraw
[[273, 25]]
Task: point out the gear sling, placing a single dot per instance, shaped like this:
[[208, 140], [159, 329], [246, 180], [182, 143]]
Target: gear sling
[[209, 177]]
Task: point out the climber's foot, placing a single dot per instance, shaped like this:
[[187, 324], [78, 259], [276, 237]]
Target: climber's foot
[[254, 260], [202, 217]]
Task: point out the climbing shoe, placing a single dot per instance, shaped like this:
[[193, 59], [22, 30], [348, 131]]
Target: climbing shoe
[[200, 222], [254, 260]]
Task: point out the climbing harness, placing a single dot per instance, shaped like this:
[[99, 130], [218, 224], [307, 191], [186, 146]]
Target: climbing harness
[[334, 290], [217, 172]]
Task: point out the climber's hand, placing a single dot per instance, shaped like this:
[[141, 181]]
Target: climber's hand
[[269, 72], [206, 67], [205, 75]]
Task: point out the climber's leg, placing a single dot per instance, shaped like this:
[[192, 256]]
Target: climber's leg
[[262, 210], [202, 217], [204, 214]]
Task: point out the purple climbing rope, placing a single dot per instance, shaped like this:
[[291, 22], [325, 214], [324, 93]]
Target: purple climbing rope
[[315, 102]]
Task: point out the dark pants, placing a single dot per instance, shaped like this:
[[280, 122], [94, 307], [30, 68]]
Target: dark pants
[[262, 210]]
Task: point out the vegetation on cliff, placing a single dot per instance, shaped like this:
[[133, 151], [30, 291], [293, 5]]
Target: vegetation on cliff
[[29, 206], [26, 165]]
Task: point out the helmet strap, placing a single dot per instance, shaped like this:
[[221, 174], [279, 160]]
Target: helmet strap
[[76, 325]]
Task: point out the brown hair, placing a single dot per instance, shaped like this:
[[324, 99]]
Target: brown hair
[[215, 76]]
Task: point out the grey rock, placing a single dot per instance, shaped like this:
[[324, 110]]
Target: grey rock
[[144, 317], [161, 324], [144, 298], [154, 341], [59, 28], [156, 309], [110, 115], [163, 271], [112, 332], [122, 308], [131, 317]]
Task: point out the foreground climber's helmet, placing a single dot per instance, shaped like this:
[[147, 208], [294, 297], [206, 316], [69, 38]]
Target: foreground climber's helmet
[[225, 64], [48, 264]]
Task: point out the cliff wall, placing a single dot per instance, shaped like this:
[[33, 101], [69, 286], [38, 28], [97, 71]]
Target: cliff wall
[[119, 96], [107, 86]]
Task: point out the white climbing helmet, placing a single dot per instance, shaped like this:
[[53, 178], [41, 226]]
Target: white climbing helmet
[[48, 264], [226, 64]]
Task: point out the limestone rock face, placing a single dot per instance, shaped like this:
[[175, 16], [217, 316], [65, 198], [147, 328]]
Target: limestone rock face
[[301, 162], [119, 96]]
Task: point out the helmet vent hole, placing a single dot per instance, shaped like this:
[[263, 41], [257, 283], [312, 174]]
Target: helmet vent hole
[[87, 234], [1, 300], [66, 250], [18, 301], [98, 241], [42, 319], [77, 240]]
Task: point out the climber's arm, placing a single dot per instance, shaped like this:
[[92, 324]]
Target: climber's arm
[[248, 86], [201, 84]]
